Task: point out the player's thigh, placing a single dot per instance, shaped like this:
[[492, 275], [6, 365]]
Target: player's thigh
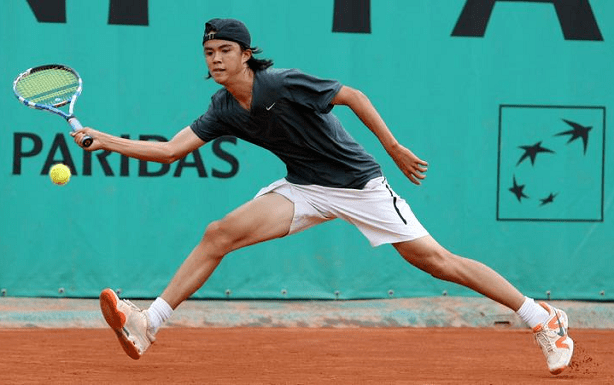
[[266, 217]]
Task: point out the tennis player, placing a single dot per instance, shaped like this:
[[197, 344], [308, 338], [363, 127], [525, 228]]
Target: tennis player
[[329, 175]]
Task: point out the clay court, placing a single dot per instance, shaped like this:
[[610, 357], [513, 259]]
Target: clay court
[[301, 356]]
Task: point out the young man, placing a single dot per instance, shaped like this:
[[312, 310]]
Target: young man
[[329, 176]]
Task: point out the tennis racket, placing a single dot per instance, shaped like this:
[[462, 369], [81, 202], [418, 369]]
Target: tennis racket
[[49, 87]]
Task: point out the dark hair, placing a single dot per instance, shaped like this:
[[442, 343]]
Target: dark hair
[[253, 63], [257, 64]]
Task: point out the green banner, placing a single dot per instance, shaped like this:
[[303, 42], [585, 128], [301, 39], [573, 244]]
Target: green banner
[[507, 101]]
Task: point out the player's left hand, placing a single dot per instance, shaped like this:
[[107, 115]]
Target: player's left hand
[[413, 167]]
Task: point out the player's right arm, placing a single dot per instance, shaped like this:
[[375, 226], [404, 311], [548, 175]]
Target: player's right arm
[[184, 142]]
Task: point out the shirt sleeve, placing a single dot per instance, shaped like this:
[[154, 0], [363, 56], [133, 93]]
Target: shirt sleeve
[[310, 91], [208, 127]]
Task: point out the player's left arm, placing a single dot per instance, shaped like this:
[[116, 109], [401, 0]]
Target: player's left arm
[[412, 166]]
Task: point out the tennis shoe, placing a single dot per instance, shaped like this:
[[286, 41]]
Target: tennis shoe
[[552, 337], [130, 324]]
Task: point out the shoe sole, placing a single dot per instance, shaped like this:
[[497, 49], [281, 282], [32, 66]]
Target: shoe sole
[[116, 320]]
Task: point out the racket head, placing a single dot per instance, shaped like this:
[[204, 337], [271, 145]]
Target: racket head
[[51, 85]]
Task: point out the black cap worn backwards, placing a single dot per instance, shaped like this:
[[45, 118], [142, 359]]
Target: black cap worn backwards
[[227, 29]]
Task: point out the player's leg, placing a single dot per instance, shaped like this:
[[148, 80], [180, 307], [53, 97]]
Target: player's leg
[[266, 217], [548, 323], [428, 255], [384, 217]]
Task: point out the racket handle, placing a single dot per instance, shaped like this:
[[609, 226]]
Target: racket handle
[[87, 141], [76, 126]]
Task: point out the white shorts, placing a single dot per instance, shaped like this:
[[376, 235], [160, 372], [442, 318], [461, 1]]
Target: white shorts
[[378, 212]]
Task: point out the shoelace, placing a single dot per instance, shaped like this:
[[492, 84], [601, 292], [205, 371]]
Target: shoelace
[[131, 304], [151, 335], [544, 342]]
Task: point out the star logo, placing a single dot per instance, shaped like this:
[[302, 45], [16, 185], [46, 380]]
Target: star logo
[[547, 200], [517, 190], [546, 170], [578, 131], [532, 151]]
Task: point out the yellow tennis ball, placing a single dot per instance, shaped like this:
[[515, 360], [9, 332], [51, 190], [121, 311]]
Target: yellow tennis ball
[[59, 174]]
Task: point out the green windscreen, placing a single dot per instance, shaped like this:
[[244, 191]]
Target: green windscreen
[[508, 101]]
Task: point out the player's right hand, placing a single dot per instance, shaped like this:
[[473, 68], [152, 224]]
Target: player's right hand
[[88, 131]]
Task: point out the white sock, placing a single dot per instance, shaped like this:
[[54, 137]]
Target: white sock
[[532, 313], [158, 312]]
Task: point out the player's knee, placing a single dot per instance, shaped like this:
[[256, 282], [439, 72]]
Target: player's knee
[[217, 239], [441, 265]]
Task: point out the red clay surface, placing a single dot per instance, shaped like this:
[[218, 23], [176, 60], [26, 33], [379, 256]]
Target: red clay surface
[[301, 356]]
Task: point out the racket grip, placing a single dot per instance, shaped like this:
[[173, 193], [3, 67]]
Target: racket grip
[[76, 126]]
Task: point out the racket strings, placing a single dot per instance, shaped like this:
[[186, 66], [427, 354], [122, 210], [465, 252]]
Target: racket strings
[[53, 87]]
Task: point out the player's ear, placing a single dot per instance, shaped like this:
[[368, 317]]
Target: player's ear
[[246, 54]]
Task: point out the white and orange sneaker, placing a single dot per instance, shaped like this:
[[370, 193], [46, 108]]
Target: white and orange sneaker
[[129, 323], [552, 337]]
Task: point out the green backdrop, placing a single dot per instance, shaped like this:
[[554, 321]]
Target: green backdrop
[[489, 97]]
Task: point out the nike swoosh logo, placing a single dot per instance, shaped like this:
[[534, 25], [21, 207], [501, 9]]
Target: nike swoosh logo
[[561, 331], [271, 106]]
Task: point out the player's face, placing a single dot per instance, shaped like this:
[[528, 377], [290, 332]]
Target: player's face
[[225, 59]]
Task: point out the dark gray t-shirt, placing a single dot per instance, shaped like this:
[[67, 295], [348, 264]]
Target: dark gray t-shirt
[[290, 116]]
